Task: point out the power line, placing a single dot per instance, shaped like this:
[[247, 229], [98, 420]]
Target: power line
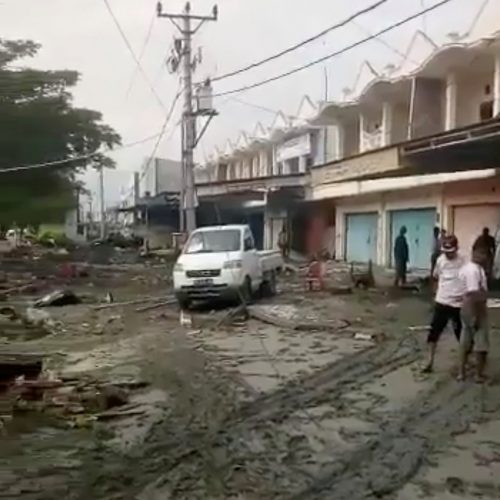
[[141, 54], [134, 56], [78, 158], [335, 54], [162, 132], [301, 44], [258, 106], [386, 44]]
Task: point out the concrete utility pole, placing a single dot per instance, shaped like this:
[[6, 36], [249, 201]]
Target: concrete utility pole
[[103, 203], [183, 57]]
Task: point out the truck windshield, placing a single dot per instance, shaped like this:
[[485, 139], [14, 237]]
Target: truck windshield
[[226, 240]]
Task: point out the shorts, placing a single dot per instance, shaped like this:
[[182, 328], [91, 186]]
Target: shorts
[[442, 314], [476, 335]]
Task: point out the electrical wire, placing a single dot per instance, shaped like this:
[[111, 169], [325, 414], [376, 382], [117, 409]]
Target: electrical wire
[[301, 44], [386, 44], [336, 53], [141, 54], [258, 106], [162, 133], [133, 54], [78, 158]]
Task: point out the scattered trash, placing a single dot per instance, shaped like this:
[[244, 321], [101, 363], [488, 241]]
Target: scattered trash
[[13, 366], [340, 290], [58, 298], [419, 328], [455, 485], [363, 278], [9, 312], [290, 268], [293, 318], [36, 317], [113, 396], [493, 303], [364, 336], [185, 319]]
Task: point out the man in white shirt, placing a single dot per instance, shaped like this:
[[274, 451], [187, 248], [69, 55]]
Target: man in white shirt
[[475, 314], [449, 296]]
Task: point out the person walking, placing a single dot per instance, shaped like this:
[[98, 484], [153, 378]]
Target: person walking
[[475, 336], [448, 299], [401, 257]]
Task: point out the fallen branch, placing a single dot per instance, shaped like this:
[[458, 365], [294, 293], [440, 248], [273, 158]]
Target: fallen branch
[[20, 288], [129, 303], [156, 306], [130, 411]]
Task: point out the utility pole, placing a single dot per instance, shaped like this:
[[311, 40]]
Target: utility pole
[[102, 205], [183, 57]]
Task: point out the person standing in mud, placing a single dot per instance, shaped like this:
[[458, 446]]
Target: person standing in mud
[[448, 299], [436, 249], [283, 242], [475, 336], [486, 244], [401, 257]]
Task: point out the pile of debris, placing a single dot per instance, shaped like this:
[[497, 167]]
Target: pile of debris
[[25, 387]]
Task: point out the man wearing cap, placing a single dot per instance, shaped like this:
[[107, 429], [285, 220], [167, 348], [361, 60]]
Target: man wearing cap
[[449, 296]]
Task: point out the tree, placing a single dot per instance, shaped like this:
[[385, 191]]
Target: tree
[[38, 124]]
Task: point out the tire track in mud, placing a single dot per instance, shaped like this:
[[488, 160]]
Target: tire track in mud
[[253, 418], [387, 462], [329, 382]]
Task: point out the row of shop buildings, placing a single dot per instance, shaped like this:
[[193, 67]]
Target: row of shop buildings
[[419, 149]]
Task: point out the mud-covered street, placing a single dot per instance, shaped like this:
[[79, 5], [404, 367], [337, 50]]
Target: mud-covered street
[[316, 395]]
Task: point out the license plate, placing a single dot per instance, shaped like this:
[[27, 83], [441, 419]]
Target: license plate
[[204, 282]]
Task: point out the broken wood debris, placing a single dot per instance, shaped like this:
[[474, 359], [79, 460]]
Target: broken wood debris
[[131, 302], [156, 306]]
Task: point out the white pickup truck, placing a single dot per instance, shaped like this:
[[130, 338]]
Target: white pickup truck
[[221, 262]]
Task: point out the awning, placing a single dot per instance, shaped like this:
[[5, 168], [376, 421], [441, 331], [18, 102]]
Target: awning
[[356, 188], [471, 147]]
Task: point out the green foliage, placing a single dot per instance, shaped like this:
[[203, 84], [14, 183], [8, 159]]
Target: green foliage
[[38, 123]]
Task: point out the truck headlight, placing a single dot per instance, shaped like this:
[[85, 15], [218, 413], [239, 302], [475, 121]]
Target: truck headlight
[[233, 264], [178, 268]]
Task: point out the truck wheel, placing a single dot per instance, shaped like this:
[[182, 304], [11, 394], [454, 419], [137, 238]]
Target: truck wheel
[[184, 303], [246, 291], [269, 285]]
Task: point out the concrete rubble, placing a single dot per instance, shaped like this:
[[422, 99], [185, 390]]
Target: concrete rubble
[[306, 395]]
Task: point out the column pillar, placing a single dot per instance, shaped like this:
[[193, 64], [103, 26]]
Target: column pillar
[[339, 138], [450, 121], [386, 128], [302, 164], [361, 132], [496, 87]]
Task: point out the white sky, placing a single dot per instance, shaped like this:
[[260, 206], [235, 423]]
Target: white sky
[[80, 35]]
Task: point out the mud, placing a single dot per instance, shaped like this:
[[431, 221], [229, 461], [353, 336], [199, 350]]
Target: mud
[[259, 411]]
